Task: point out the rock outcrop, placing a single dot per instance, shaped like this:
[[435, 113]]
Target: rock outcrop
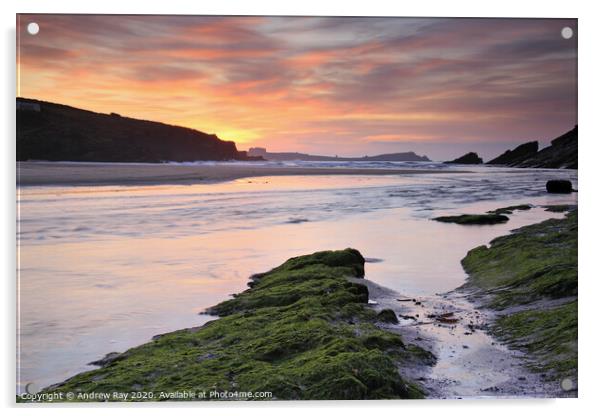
[[303, 331], [517, 155], [474, 219], [562, 153], [528, 281], [559, 186], [470, 158]]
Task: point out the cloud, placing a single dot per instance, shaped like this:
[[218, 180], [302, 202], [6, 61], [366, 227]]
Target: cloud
[[299, 83]]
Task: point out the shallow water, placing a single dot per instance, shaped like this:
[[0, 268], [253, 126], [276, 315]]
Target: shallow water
[[102, 269]]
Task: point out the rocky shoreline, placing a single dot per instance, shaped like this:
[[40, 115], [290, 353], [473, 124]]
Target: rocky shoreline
[[527, 281], [315, 328], [302, 331]]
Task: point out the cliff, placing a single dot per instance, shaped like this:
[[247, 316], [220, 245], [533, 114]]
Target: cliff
[[48, 131], [562, 153]]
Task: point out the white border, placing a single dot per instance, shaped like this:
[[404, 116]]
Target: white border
[[590, 200]]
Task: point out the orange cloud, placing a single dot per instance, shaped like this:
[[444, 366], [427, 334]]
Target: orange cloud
[[310, 84]]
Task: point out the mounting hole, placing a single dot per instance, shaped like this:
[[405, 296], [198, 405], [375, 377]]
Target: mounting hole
[[31, 388], [566, 32], [33, 28], [567, 384]]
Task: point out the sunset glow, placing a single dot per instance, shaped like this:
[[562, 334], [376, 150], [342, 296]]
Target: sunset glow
[[346, 86]]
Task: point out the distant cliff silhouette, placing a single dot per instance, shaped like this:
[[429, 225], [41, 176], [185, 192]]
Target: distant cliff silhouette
[[562, 153], [517, 155], [389, 157], [470, 158], [48, 131]]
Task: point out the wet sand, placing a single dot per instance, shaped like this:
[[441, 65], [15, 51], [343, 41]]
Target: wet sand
[[65, 173], [470, 363]]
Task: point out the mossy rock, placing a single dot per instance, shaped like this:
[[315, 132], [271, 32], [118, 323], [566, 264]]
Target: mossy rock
[[387, 316], [560, 208], [533, 271], [303, 331], [511, 209], [474, 219]]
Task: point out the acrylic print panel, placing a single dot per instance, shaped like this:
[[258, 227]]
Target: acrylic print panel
[[400, 190]]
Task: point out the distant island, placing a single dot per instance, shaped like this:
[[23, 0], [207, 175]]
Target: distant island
[[389, 157], [56, 132]]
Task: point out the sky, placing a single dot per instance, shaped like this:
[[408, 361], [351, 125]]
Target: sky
[[321, 85]]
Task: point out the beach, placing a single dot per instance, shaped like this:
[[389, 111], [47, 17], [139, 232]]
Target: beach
[[104, 268], [69, 173]]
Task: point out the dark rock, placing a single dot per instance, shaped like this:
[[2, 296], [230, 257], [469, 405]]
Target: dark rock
[[560, 208], [559, 186], [517, 155], [297, 220], [510, 209], [388, 316], [253, 279], [468, 159], [107, 359], [562, 153], [474, 219]]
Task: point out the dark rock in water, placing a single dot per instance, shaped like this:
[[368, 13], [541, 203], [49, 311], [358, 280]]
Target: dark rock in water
[[559, 186], [510, 209], [474, 219], [373, 260], [560, 208], [517, 155], [289, 335], [468, 159], [388, 316], [297, 220]]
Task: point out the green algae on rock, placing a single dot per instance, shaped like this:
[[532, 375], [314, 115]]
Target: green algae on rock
[[474, 219], [560, 208], [530, 279], [511, 209], [302, 331]]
